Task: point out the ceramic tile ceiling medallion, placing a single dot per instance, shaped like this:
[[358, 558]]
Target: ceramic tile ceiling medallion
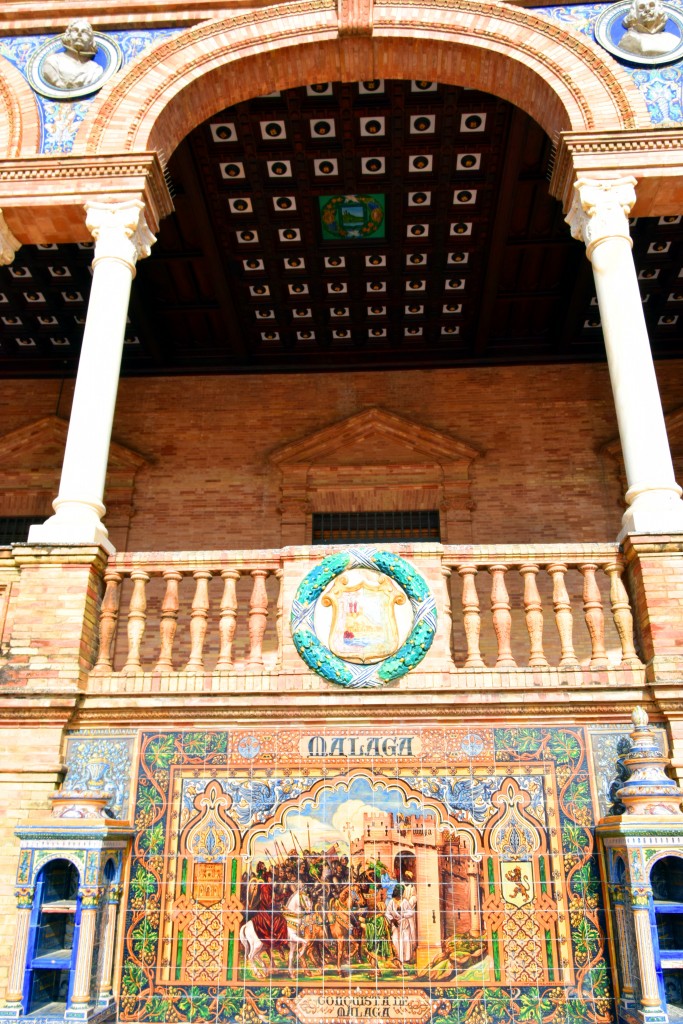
[[352, 216], [363, 617]]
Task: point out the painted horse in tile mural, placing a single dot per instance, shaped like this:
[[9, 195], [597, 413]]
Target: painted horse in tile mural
[[267, 929]]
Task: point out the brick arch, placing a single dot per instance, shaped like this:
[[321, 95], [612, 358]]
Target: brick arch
[[562, 81], [19, 120]]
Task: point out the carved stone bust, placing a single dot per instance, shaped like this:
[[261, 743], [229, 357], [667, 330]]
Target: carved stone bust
[[73, 67], [646, 35]]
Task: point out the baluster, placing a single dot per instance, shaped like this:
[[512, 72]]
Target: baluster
[[564, 619], [198, 621], [279, 575], [502, 617], [228, 619], [109, 613], [169, 621], [258, 614], [137, 616], [533, 611], [593, 613], [471, 617], [621, 610]]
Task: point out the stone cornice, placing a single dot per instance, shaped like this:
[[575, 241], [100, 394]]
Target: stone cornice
[[24, 708], [43, 197], [653, 156], [18, 16], [188, 713]]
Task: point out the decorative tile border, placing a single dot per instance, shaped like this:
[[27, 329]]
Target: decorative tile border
[[59, 119]]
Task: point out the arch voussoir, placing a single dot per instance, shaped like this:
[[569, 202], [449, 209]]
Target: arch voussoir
[[19, 119], [563, 81]]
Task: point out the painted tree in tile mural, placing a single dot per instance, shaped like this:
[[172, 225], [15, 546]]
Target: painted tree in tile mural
[[446, 875]]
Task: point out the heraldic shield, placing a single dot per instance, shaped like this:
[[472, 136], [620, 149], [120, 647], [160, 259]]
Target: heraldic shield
[[362, 617], [364, 626]]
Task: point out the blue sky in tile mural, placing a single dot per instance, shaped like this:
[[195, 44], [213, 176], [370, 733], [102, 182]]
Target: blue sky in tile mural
[[662, 87], [59, 119]]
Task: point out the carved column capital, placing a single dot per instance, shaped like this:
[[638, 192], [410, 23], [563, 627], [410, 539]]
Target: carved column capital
[[23, 895], [8, 243], [90, 897], [120, 231], [600, 210], [114, 893], [640, 896], [617, 893]]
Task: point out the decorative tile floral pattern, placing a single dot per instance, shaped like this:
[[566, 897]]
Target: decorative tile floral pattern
[[59, 119], [101, 763]]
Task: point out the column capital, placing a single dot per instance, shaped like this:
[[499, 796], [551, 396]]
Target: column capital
[[120, 231], [23, 895], [8, 243], [600, 210], [640, 896], [90, 897]]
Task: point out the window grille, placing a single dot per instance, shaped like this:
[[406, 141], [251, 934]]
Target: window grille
[[14, 529], [374, 527]]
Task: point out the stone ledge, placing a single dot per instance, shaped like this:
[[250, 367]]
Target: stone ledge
[[43, 197]]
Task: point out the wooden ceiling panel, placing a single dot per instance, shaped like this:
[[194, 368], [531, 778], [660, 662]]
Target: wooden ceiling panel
[[349, 226]]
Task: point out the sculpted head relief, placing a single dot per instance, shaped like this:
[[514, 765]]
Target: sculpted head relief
[[73, 67], [648, 32], [645, 29]]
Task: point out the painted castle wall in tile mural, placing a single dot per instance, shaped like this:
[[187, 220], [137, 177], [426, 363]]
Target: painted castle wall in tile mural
[[328, 874]]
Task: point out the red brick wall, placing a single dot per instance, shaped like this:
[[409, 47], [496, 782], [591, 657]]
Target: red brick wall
[[210, 484]]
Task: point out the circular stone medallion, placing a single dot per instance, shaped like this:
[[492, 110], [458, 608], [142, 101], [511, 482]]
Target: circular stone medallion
[[657, 39], [105, 62], [363, 617]]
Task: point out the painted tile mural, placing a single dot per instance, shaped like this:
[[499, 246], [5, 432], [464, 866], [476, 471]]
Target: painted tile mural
[[441, 874]]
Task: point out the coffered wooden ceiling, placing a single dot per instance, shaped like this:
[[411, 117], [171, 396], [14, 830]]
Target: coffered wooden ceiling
[[349, 226]]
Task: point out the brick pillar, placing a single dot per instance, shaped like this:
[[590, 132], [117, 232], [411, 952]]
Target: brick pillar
[[53, 639], [655, 575]]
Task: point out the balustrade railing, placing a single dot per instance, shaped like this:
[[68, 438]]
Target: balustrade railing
[[210, 641], [602, 602], [502, 609]]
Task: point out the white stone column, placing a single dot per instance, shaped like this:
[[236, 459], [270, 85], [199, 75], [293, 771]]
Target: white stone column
[[8, 243], [121, 239], [599, 218]]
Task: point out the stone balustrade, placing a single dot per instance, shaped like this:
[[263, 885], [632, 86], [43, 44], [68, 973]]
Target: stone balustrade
[[507, 615], [142, 597], [600, 611]]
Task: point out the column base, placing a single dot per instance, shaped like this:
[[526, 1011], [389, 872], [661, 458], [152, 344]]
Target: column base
[[86, 1012], [652, 510], [11, 1010], [658, 1016], [64, 529]]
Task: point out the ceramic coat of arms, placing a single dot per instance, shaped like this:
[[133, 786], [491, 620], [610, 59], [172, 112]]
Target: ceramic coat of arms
[[363, 617]]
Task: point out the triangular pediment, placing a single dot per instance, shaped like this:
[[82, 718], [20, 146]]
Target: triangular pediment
[[674, 428], [40, 445], [372, 437]]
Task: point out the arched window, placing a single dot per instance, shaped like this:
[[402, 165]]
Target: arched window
[[53, 940], [666, 879]]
